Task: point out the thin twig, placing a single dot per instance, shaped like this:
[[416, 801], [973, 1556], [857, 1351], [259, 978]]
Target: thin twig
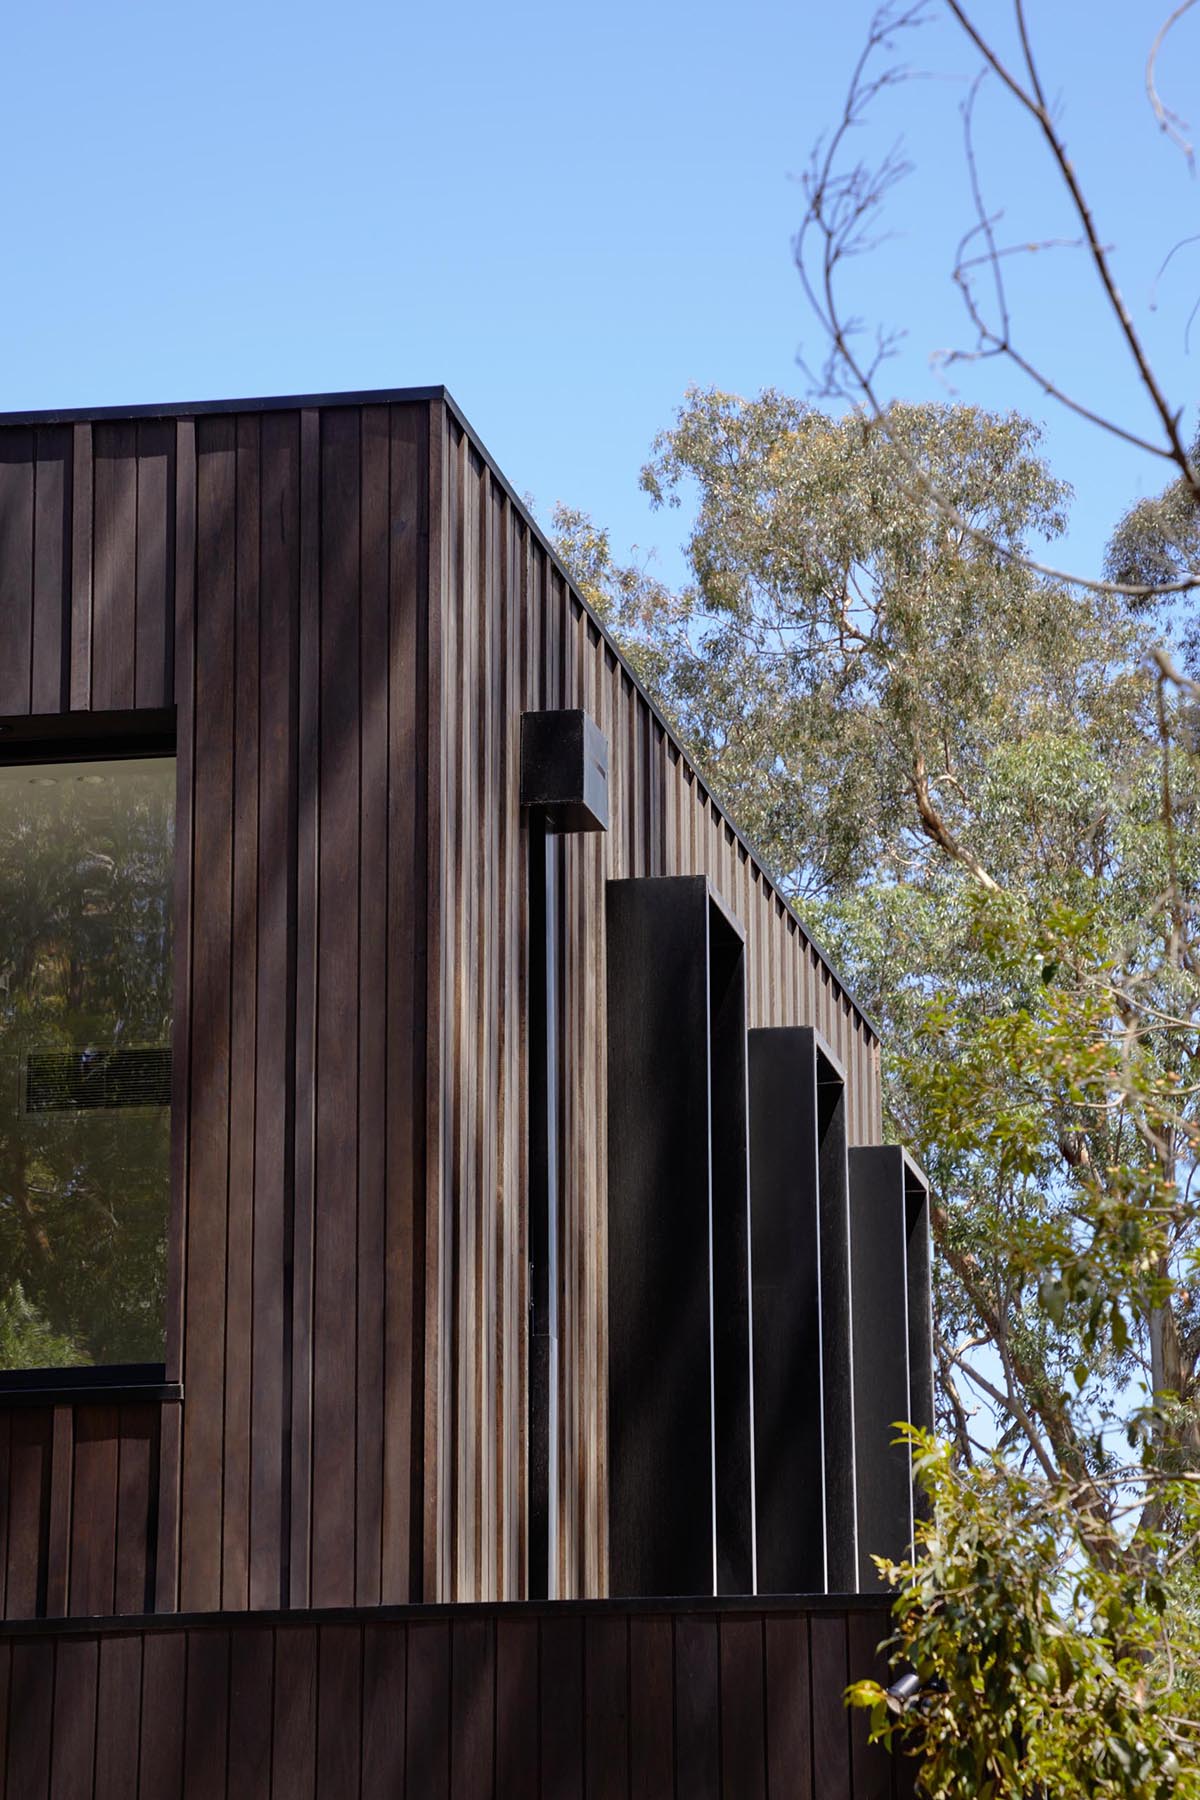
[[1035, 104], [838, 206], [1168, 121]]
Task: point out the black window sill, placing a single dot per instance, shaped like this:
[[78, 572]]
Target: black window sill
[[115, 1384]]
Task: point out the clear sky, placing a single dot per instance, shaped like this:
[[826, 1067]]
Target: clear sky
[[566, 213]]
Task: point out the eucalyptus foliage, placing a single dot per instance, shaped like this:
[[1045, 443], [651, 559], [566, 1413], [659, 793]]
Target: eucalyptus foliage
[[980, 787], [1045, 1672]]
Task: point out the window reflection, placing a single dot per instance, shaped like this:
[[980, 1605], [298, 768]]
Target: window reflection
[[86, 853]]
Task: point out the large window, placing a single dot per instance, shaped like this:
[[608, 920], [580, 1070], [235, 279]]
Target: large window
[[86, 853]]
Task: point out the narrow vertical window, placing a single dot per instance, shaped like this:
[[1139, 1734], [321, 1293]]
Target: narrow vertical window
[[86, 857], [544, 1057], [564, 788]]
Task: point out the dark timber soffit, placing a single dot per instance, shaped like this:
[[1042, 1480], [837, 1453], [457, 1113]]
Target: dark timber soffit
[[409, 396]]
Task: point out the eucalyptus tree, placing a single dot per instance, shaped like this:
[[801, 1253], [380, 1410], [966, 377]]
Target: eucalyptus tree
[[978, 783]]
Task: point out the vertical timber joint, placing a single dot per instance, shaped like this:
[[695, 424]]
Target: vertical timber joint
[[564, 770]]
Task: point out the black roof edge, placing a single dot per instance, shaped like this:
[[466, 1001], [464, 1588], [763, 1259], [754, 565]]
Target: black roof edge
[[198, 409], [439, 393]]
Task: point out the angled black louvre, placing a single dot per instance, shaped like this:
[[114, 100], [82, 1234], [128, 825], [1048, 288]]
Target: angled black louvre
[[96, 1080]]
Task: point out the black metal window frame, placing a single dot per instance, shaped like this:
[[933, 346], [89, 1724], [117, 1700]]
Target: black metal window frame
[[80, 738]]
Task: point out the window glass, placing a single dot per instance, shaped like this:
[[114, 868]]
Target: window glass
[[86, 853]]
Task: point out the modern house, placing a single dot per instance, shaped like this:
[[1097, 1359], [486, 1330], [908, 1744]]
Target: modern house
[[454, 1300]]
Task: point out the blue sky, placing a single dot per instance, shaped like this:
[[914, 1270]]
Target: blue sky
[[565, 213]]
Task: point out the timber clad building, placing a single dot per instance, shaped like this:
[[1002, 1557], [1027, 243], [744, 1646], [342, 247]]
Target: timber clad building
[[453, 1297]]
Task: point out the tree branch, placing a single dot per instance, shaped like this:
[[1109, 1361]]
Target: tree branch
[[1168, 121], [936, 829], [1035, 104]]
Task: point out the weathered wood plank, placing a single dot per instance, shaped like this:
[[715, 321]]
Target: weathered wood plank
[[697, 1708], [114, 475], [384, 1711], [427, 1751], [163, 1576], [304, 1138], [82, 519], [251, 1703], [164, 1677], [5, 1428], [651, 1707], [51, 660], [562, 1707], [516, 1708], [137, 1508], [30, 1719], [119, 1717], [16, 570], [295, 1715], [5, 1674], [373, 1111], [62, 1495], [472, 1712], [206, 1715], [244, 950], [606, 1705], [29, 1464], [166, 1574], [154, 648], [789, 1707], [832, 1778], [407, 875], [94, 1511], [208, 1110], [871, 1765], [335, 1283], [434, 1482], [274, 1115], [339, 1712], [743, 1726], [73, 1727]]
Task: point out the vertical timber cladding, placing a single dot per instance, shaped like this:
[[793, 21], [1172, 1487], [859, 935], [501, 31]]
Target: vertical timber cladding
[[86, 567], [695, 1699], [301, 722], [350, 613], [265, 571], [87, 577], [509, 636]]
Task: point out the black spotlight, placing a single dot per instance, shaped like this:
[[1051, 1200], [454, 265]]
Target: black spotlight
[[904, 1692]]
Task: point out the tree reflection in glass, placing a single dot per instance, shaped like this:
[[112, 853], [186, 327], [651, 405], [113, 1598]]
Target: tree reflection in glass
[[86, 855]]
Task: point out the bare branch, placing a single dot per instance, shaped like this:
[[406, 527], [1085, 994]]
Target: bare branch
[[1168, 121], [1013, 1407], [1034, 102], [840, 206], [936, 829], [1183, 244], [994, 342]]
